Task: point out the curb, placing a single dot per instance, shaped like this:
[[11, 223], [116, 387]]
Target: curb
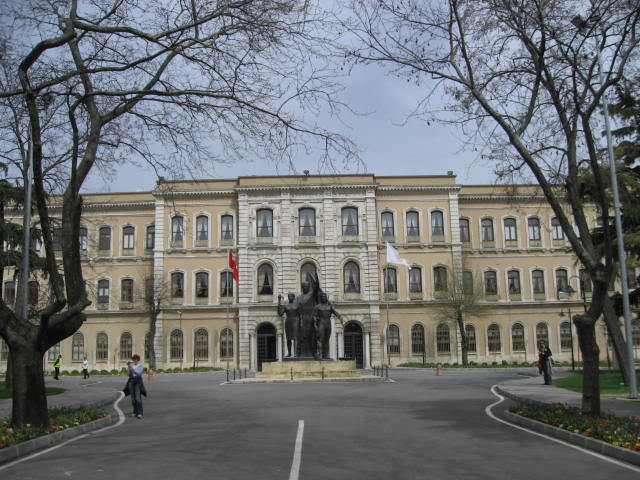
[[592, 444], [253, 381], [40, 443]]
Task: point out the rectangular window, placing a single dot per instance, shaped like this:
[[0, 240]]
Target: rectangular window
[[202, 285], [84, 238], [437, 224], [202, 228], [465, 234], [127, 290], [177, 229], [537, 279], [307, 222], [534, 229], [264, 224], [413, 224], [415, 280], [226, 228], [556, 230], [177, 285], [467, 282], [226, 284], [128, 238], [9, 294], [103, 292], [104, 238], [151, 237], [386, 221], [510, 230], [490, 283], [514, 282], [350, 221], [487, 230]]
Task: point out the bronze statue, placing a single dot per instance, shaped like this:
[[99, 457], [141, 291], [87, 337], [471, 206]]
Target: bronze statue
[[322, 322], [307, 301], [291, 311]]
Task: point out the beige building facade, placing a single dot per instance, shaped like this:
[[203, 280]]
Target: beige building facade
[[170, 247]]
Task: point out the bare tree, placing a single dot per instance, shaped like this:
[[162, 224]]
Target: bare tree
[[460, 300], [178, 85], [523, 83]]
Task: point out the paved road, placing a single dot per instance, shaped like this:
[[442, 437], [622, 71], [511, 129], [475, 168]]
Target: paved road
[[421, 426]]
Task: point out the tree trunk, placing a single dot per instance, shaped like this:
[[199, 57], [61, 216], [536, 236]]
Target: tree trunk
[[29, 393], [463, 339], [617, 340], [591, 364]]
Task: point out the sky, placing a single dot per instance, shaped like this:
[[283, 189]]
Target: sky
[[390, 143]]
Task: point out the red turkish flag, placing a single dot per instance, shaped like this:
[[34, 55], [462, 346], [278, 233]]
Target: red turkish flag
[[233, 266]]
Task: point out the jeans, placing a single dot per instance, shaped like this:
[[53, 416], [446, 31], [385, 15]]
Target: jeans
[[136, 398]]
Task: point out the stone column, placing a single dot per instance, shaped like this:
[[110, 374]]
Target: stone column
[[367, 350], [340, 345], [279, 348]]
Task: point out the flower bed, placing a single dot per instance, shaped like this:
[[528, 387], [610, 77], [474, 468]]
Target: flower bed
[[620, 431], [60, 418]]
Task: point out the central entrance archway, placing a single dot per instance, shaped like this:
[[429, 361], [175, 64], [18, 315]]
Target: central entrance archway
[[267, 344], [353, 344]]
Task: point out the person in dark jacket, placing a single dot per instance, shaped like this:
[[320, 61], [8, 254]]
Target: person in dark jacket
[[135, 386], [544, 362]]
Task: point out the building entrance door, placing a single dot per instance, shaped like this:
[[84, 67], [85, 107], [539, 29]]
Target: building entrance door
[[267, 351], [353, 345]]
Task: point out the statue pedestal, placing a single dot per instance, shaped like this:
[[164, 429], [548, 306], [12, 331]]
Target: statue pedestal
[[292, 369]]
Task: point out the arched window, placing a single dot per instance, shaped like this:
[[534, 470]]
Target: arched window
[[437, 224], [493, 338], [440, 279], [470, 330], [177, 285], [126, 290], [413, 224], [490, 283], [533, 224], [390, 280], [393, 339], [128, 239], [566, 337], [417, 339], [351, 278], [201, 344], [415, 280], [176, 345], [513, 277], [307, 219], [542, 333], [202, 230], [34, 292], [487, 230], [103, 292], [537, 280], [517, 337], [202, 285], [104, 238], [53, 352], [226, 228], [349, 221], [265, 279], [556, 229], [102, 347], [386, 223], [465, 233], [151, 237], [126, 346], [264, 224], [9, 293], [84, 238], [510, 230], [443, 338], [226, 343], [308, 273], [177, 230], [562, 280], [226, 284], [4, 350], [77, 347]]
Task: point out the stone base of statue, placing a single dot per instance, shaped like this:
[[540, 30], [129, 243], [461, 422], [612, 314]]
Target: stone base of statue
[[299, 368]]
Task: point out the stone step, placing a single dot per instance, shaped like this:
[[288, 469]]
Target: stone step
[[309, 369]]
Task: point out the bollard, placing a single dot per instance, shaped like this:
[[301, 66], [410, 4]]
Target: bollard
[[291, 373], [150, 374], [387, 375], [439, 369], [234, 373], [245, 373], [239, 374], [322, 373], [227, 374]]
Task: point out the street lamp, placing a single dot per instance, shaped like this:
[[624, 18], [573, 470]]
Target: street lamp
[[569, 291], [581, 24]]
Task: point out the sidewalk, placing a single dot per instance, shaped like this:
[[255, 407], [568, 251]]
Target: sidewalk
[[91, 392], [531, 389]]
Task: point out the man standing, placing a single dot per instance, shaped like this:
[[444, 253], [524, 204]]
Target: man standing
[[291, 311], [544, 361], [56, 367], [322, 321]]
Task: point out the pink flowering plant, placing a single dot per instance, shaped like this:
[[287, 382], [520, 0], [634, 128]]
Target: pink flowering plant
[[620, 431], [60, 418]]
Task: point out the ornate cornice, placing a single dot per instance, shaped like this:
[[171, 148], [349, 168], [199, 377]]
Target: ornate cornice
[[204, 193], [489, 197], [418, 188], [302, 187]]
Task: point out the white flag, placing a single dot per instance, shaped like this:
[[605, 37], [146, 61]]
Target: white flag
[[394, 257]]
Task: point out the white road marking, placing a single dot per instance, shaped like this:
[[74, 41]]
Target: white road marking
[[297, 453], [553, 439], [120, 421]]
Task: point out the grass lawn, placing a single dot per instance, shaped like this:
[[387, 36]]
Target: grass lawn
[[4, 393], [610, 382]]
